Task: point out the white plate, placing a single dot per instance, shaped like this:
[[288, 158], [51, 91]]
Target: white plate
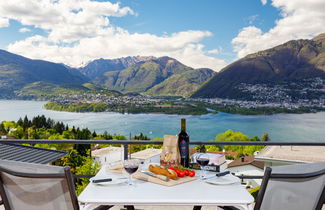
[[224, 180], [114, 181]]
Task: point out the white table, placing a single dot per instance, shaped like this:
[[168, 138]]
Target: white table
[[194, 193]]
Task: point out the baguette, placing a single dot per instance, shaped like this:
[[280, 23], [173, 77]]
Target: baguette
[[160, 170]]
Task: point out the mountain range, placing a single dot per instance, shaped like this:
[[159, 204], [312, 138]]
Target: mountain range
[[17, 71], [133, 74], [98, 67], [289, 65], [153, 76]]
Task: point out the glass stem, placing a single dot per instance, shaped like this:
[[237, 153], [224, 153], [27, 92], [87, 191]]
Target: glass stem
[[130, 179]]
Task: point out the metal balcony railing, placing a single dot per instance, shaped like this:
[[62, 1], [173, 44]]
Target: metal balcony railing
[[126, 144]]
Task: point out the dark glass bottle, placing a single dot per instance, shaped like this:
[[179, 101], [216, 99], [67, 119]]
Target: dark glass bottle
[[183, 144]]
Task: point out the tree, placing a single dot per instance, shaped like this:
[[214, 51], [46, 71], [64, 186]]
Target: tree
[[201, 148], [26, 123], [49, 123], [230, 135], [119, 137], [20, 122], [94, 134], [59, 127], [17, 132], [265, 137], [3, 130], [107, 136], [32, 133], [141, 137], [73, 159], [73, 130], [88, 167]]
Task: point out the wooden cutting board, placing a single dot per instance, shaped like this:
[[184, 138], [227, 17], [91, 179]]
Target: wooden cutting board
[[145, 177]]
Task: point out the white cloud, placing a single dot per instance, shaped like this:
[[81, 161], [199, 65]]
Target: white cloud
[[24, 30], [183, 46], [214, 51], [264, 2], [80, 31], [300, 19], [4, 22]]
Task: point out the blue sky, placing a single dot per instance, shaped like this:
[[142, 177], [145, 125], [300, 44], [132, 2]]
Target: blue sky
[[223, 18], [209, 33]]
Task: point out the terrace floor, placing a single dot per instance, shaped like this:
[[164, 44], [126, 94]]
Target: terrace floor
[[156, 208], [165, 208]]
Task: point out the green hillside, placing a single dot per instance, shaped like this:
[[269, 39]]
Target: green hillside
[[292, 65], [140, 78], [17, 71], [183, 84], [47, 90]]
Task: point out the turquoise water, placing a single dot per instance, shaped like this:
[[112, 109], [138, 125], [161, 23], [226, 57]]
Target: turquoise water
[[281, 127]]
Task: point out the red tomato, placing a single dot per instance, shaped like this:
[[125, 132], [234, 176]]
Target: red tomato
[[186, 172], [191, 173], [181, 173], [176, 171]]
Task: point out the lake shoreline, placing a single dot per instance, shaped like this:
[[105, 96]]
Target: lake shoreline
[[280, 127], [199, 109]]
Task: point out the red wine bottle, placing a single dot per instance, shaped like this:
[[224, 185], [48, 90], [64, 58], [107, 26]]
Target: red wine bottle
[[183, 144]]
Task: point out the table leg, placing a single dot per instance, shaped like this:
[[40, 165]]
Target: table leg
[[103, 207], [247, 207], [197, 207], [129, 207]]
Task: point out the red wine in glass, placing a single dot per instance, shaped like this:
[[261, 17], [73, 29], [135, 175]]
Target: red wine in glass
[[131, 169], [203, 161], [131, 166]]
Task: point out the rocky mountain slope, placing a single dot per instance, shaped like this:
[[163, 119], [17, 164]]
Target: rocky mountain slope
[[164, 71], [182, 84], [99, 66], [290, 67], [17, 71]]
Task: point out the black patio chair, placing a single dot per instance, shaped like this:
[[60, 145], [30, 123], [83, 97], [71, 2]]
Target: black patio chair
[[37, 186], [300, 186], [291, 187]]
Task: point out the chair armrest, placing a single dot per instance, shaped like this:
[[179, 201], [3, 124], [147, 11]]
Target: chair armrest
[[228, 208], [94, 207]]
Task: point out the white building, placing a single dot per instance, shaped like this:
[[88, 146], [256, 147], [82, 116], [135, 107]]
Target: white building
[[108, 154], [247, 166], [112, 154], [148, 155], [286, 155]]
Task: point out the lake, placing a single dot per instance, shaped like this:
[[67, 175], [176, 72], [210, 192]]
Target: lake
[[280, 127]]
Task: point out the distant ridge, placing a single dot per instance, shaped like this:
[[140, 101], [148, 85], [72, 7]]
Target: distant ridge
[[133, 74], [295, 61], [157, 76], [17, 71], [98, 67]]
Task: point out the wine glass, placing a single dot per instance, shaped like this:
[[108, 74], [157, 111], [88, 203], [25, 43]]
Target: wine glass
[[131, 166], [203, 160]]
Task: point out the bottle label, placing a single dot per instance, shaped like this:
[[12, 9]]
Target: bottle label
[[184, 149]]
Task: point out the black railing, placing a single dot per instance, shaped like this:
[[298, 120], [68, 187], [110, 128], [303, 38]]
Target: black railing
[[126, 144]]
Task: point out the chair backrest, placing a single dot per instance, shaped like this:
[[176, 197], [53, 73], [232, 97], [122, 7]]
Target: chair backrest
[[300, 186], [36, 186]]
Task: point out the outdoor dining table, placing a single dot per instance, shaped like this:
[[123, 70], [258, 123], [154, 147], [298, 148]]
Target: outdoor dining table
[[194, 193]]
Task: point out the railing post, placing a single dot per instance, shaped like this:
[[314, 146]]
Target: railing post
[[126, 151]]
